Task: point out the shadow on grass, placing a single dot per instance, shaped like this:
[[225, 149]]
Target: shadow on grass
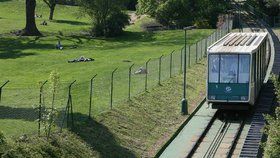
[[99, 138], [11, 48], [27, 114], [5, 0], [70, 22]]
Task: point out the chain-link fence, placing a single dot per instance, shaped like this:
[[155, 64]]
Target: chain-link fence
[[35, 108]]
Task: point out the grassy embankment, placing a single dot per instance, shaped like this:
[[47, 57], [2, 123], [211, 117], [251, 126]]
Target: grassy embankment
[[135, 128]]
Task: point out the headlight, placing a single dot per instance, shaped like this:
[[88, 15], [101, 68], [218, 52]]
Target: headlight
[[212, 97], [243, 98]]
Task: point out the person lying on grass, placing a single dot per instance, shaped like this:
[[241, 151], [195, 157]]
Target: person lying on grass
[[81, 59]]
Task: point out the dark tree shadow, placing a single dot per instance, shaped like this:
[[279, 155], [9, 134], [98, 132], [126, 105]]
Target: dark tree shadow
[[99, 138], [70, 22], [11, 48], [5, 0], [27, 114]]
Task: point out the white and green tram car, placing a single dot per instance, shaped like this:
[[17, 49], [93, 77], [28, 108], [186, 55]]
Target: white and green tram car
[[237, 66]]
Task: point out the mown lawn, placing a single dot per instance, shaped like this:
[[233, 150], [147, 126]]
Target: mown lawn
[[27, 60]]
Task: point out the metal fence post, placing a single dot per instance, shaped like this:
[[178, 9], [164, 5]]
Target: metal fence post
[[181, 62], [201, 49], [2, 88], [91, 95], [70, 104], [112, 88], [189, 56], [129, 82], [171, 63], [196, 52], [146, 77], [41, 102], [211, 38], [215, 36], [228, 29], [159, 70], [205, 49], [68, 109]]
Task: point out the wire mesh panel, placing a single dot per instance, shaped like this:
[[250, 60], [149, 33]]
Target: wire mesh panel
[[177, 62], [121, 85], [18, 109], [165, 67], [191, 55], [101, 93], [20, 103], [138, 79], [153, 73]]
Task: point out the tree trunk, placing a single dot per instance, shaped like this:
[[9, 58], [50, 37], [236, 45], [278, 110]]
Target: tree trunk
[[52, 7], [30, 27]]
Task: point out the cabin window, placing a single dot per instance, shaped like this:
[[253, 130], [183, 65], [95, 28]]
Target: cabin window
[[228, 68], [214, 68], [244, 69]]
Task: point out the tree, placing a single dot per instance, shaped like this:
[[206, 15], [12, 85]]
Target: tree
[[51, 4], [272, 7], [30, 27], [107, 16], [174, 12], [183, 12], [131, 4], [148, 6]]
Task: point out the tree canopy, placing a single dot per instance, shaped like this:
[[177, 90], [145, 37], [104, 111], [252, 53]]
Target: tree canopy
[[107, 16], [182, 12]]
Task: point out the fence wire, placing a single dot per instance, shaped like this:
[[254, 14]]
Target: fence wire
[[23, 106]]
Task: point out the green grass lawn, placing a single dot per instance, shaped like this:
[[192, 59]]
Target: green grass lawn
[[27, 60]]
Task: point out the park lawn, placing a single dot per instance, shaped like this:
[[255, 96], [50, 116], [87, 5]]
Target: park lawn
[[140, 127], [27, 60]]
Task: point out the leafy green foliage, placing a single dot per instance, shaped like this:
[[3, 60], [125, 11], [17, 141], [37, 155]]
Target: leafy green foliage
[[131, 4], [183, 12], [59, 145], [174, 12], [2, 138], [272, 146], [270, 7], [148, 6], [50, 114], [107, 16]]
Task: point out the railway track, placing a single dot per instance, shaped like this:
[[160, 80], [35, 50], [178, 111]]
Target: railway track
[[248, 19], [236, 134], [221, 135]]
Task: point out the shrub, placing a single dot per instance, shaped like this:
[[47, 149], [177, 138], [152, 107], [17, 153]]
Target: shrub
[[202, 24], [106, 15], [174, 13], [59, 145], [272, 146]]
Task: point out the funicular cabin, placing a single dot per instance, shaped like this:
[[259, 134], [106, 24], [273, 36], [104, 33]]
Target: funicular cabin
[[236, 69]]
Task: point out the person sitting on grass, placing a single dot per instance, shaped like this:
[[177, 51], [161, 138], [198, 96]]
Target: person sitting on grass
[[59, 45], [44, 23], [141, 71]]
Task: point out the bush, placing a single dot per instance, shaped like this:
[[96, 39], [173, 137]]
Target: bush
[[107, 16], [115, 23], [59, 145], [182, 13], [272, 146], [173, 12], [202, 24]]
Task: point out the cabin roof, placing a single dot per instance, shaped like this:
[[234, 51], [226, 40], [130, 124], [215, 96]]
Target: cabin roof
[[238, 43]]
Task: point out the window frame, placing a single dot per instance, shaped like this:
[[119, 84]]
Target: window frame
[[238, 67]]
